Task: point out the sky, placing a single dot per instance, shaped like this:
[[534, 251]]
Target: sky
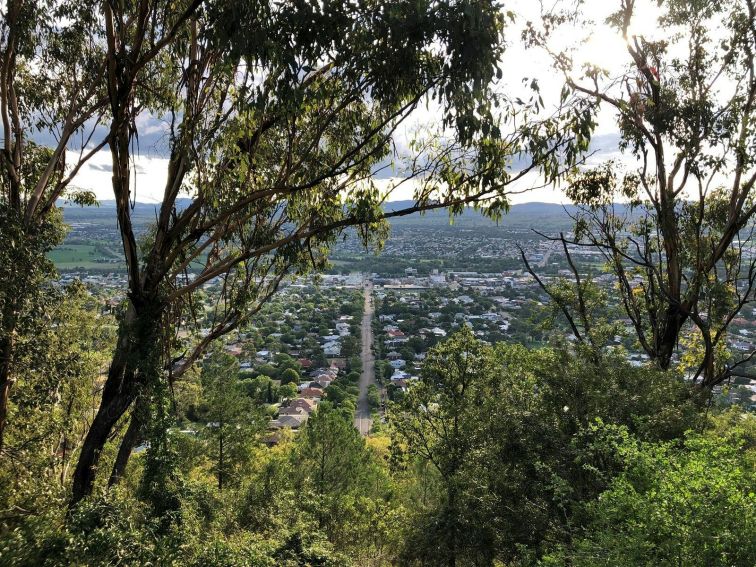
[[602, 47]]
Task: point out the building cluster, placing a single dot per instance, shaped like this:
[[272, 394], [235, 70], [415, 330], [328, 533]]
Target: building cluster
[[310, 327], [293, 413], [444, 241], [411, 319]]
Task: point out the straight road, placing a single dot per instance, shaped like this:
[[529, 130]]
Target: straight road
[[362, 419], [547, 255]]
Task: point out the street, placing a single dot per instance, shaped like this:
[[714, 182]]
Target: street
[[362, 419]]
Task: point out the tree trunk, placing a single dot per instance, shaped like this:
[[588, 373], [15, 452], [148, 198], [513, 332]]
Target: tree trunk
[[5, 385], [709, 375], [138, 339], [453, 517], [132, 437], [220, 459], [117, 396], [666, 343]]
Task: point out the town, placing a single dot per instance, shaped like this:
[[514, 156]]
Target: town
[[305, 345]]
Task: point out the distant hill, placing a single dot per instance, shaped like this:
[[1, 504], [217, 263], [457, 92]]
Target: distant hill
[[526, 215]]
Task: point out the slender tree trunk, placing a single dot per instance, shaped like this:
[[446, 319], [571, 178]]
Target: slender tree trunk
[[121, 387], [453, 513], [220, 459], [63, 444], [709, 376], [138, 338], [117, 396], [674, 319], [133, 435], [6, 349]]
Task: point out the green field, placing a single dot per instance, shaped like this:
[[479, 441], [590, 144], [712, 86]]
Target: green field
[[86, 256]]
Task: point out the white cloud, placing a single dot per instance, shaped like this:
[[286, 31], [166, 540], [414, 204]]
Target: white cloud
[[149, 175], [603, 47]]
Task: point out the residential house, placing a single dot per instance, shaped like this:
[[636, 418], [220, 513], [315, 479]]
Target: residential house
[[292, 410], [290, 421], [314, 393], [338, 364], [308, 405], [399, 375], [332, 348]]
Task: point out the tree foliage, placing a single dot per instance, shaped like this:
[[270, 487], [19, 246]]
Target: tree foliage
[[506, 433], [691, 504], [685, 110]]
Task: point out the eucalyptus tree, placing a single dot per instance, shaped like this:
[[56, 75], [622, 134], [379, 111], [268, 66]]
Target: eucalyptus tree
[[50, 91], [685, 104]]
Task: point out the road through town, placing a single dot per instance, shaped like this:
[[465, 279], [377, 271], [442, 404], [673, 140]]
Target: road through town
[[362, 419]]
